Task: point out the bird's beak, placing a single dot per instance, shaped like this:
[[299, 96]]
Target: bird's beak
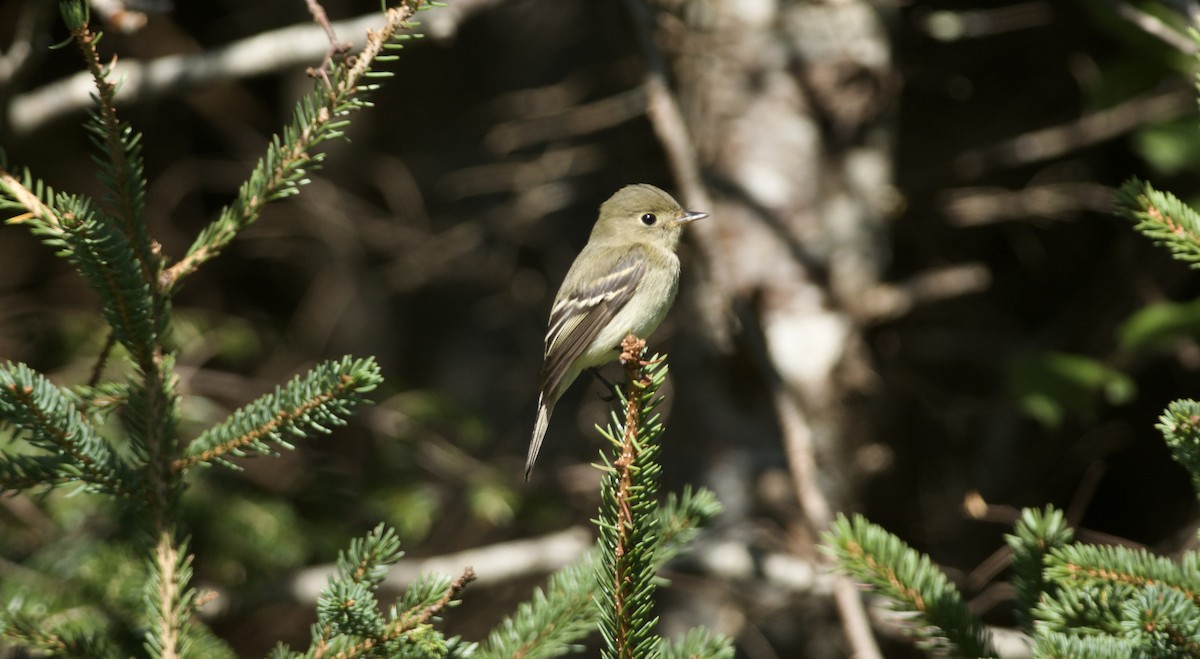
[[691, 216]]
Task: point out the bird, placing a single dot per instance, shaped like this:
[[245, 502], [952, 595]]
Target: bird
[[623, 282]]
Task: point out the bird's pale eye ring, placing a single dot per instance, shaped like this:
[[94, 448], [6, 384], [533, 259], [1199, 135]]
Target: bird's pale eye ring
[[649, 219]]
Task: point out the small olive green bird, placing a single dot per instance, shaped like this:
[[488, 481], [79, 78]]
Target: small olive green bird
[[623, 282]]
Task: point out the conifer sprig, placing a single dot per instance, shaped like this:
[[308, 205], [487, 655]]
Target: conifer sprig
[[1162, 217], [1180, 427], [111, 247], [98, 249], [49, 421], [109, 262], [168, 599], [555, 618], [319, 116], [698, 643], [23, 632], [350, 623], [680, 519], [1122, 568], [628, 529], [323, 397], [912, 583], [120, 163], [1057, 645], [1037, 533], [551, 622], [31, 201]]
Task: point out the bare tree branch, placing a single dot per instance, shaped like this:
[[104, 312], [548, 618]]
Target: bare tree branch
[[1094, 128], [118, 16], [263, 53], [1155, 27], [495, 564], [977, 206]]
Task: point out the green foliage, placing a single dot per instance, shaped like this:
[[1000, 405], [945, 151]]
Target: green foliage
[[1159, 326], [323, 397], [319, 116], [627, 525], [1053, 645], [68, 447], [698, 644], [913, 584], [114, 577], [567, 610], [78, 595], [1170, 147], [1180, 426], [1119, 569], [1163, 218], [1074, 599], [551, 622], [1037, 533], [1048, 385]]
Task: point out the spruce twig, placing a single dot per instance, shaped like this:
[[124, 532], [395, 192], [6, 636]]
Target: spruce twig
[[109, 244], [1180, 428], [74, 451], [548, 624], [1037, 533], [319, 116], [627, 528], [349, 622], [325, 396], [913, 583], [1162, 217]]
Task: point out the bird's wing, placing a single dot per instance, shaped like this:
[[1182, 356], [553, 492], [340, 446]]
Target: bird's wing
[[576, 319]]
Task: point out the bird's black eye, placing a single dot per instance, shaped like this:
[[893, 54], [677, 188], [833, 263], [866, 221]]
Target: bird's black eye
[[649, 219]]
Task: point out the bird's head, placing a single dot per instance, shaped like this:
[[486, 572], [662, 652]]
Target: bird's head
[[643, 212]]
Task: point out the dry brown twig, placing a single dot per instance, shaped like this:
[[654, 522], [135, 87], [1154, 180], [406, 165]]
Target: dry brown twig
[[336, 48]]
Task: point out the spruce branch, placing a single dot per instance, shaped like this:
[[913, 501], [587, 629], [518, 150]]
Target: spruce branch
[[1073, 608], [627, 524], [555, 618], [32, 200], [1121, 568], [698, 643], [319, 117], [549, 623], [1163, 621], [349, 622], [323, 397], [52, 423], [152, 418], [680, 519], [912, 582], [121, 167], [100, 251], [110, 264], [168, 599], [1058, 645], [1036, 534], [1162, 217], [31, 634], [1180, 427]]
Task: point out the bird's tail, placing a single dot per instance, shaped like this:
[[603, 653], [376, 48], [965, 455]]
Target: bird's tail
[[539, 433]]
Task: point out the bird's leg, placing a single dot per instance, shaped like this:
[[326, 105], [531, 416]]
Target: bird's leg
[[608, 386]]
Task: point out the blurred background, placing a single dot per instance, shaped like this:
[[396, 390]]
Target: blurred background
[[911, 292]]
